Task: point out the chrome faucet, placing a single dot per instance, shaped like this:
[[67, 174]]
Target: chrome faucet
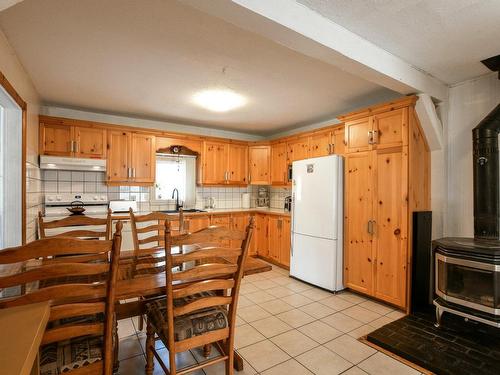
[[177, 204]]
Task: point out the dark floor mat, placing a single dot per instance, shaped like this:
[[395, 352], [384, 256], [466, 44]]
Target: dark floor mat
[[457, 347]]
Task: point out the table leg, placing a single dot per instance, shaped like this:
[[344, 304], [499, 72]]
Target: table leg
[[238, 362]]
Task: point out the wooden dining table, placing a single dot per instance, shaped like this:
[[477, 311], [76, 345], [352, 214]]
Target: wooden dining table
[[133, 293]]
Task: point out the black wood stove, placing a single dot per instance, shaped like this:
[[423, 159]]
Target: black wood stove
[[467, 270]]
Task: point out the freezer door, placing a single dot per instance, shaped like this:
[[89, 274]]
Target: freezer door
[[317, 261], [316, 209]]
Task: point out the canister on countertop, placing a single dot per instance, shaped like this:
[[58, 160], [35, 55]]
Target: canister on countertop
[[245, 200]]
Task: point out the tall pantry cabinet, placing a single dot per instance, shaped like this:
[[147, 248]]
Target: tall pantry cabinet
[[387, 168]]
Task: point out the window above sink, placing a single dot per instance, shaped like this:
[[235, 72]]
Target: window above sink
[[175, 172]]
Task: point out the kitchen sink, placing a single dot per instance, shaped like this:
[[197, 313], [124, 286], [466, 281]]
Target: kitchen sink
[[186, 210]]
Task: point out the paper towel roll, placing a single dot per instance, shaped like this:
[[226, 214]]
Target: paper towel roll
[[245, 200]]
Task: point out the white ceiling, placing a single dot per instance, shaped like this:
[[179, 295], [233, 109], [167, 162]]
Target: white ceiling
[[446, 38], [147, 58]]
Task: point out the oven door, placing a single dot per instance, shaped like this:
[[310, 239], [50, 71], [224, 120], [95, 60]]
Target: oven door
[[468, 283]]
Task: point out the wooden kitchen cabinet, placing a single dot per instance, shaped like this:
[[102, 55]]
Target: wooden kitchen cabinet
[[358, 134], [320, 144], [131, 158], [384, 185], [239, 221], [259, 158], [225, 163], [223, 221], [72, 141], [261, 234], [196, 223], [237, 164], [194, 145], [338, 141], [279, 239], [214, 163], [298, 149], [279, 166], [56, 140], [274, 238], [286, 241]]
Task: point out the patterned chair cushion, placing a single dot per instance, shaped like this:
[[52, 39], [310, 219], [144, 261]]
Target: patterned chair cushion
[[61, 357], [189, 325]]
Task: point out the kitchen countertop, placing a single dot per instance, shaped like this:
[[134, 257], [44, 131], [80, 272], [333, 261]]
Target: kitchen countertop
[[215, 211]]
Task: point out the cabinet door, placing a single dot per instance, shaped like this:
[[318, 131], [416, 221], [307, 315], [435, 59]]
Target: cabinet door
[[214, 163], [117, 169], [223, 221], [391, 128], [143, 158], [261, 233], [259, 161], [196, 223], [237, 165], [320, 144], [56, 140], [90, 142], [278, 164], [338, 141], [285, 241], [358, 263], [298, 149], [357, 134], [274, 238], [390, 212], [239, 222]]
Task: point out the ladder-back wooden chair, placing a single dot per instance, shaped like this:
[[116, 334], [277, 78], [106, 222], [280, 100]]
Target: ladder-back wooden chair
[[79, 336], [102, 232], [201, 298], [148, 235]]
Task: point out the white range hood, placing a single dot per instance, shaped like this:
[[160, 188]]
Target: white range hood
[[72, 164]]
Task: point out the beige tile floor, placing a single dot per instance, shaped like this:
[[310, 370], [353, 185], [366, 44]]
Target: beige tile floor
[[286, 327]]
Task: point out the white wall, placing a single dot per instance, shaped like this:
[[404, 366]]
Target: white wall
[[469, 103]]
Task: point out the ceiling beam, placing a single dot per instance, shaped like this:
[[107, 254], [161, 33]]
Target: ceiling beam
[[299, 28]]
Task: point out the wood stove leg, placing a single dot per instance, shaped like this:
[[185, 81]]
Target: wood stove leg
[[439, 315], [238, 362]]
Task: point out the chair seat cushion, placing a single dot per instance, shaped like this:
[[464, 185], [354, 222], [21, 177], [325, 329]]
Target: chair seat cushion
[[189, 325], [64, 356]]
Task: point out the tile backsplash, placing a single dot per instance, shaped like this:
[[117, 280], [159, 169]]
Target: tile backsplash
[[34, 199], [94, 182]]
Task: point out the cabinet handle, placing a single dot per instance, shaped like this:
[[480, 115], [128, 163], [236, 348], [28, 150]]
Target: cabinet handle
[[370, 227], [249, 178], [133, 172], [370, 137], [128, 173], [72, 146], [77, 146], [375, 137]]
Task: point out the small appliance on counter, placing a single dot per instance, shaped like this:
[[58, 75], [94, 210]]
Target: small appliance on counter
[[122, 206], [210, 203], [288, 203], [262, 197]]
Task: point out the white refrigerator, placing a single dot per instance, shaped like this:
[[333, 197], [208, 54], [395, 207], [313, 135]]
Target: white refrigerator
[[317, 221]]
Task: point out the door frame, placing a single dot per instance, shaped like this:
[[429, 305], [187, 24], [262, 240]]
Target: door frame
[[4, 82]]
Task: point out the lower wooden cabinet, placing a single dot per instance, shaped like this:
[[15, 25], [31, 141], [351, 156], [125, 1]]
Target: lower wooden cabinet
[[261, 235], [196, 223], [279, 239]]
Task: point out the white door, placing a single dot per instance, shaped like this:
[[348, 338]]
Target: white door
[[315, 260], [314, 190]]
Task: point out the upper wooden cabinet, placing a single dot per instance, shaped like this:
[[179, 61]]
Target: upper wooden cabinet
[[298, 149], [279, 164], [259, 159], [237, 164], [131, 158], [380, 130], [320, 144], [338, 141], [72, 141], [224, 163]]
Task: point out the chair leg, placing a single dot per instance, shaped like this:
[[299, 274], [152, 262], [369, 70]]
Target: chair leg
[[171, 359], [230, 361], [141, 322], [150, 345], [207, 349]]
